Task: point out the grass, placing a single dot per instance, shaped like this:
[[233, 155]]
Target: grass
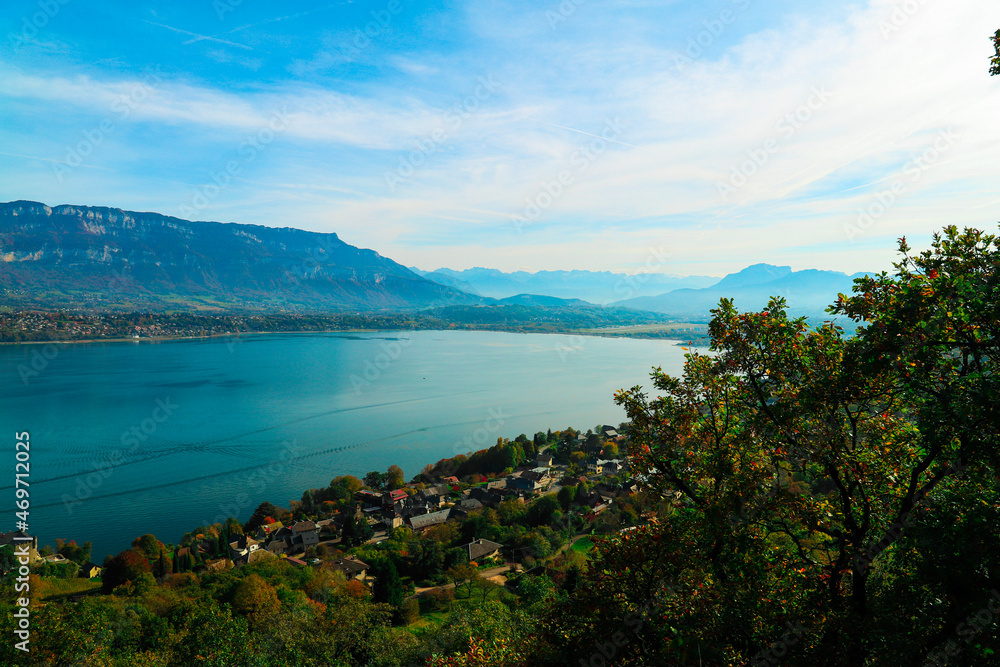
[[55, 588], [582, 545]]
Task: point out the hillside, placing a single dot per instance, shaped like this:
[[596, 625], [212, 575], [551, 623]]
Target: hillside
[[84, 257]]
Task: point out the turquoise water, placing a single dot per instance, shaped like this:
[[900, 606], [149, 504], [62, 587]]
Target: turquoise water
[[131, 438]]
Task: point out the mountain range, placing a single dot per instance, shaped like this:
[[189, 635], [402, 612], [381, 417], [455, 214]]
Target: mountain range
[[96, 257], [807, 293], [81, 256], [600, 287]]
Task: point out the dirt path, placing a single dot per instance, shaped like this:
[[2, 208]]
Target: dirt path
[[486, 574]]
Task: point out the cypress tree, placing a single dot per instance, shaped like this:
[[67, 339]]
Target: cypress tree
[[388, 586]]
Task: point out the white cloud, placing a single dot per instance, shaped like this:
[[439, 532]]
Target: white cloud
[[891, 90]]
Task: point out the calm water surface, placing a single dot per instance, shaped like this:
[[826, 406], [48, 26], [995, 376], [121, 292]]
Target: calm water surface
[[130, 438]]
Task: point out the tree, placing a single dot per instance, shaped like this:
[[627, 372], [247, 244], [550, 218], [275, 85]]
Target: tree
[[256, 600], [7, 560], [510, 511], [75, 553], [393, 478], [541, 511], [566, 496], [995, 61], [795, 463], [375, 480], [264, 511], [125, 567], [610, 450], [463, 573], [388, 586], [148, 546]]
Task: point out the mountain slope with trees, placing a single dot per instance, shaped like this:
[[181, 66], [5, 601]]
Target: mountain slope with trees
[[81, 256]]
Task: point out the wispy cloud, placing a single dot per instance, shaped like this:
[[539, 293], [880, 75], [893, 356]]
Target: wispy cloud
[[355, 115]]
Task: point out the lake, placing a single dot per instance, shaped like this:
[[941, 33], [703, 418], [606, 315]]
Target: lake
[[161, 437]]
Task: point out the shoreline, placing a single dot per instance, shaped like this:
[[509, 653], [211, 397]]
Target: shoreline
[[161, 339]]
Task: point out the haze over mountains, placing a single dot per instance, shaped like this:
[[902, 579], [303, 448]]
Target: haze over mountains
[[808, 292], [600, 287], [84, 257]]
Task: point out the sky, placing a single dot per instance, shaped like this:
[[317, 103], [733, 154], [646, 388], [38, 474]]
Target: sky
[[687, 138]]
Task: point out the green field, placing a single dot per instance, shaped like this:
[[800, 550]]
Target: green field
[[55, 588]]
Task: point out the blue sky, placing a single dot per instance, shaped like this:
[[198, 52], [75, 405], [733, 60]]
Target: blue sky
[[680, 137]]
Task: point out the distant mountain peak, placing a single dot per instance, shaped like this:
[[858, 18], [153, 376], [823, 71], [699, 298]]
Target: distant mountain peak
[[756, 274]]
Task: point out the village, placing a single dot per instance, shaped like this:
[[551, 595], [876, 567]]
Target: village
[[575, 491]]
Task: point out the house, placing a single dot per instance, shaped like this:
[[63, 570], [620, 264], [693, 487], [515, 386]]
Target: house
[[482, 495], [296, 562], [368, 498], [496, 484], [266, 531], [54, 559], [609, 432], [278, 547], [304, 534], [464, 507], [482, 550], [425, 521], [391, 520], [544, 460], [523, 483], [629, 488], [90, 570], [241, 548], [390, 498], [450, 480], [352, 568], [428, 498], [540, 474]]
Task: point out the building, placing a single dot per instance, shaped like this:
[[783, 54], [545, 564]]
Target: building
[[241, 548], [352, 568], [425, 521], [482, 550], [304, 535], [466, 506], [268, 530], [90, 570], [390, 498]]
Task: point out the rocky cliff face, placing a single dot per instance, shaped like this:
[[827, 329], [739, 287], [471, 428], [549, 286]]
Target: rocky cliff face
[[77, 256]]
